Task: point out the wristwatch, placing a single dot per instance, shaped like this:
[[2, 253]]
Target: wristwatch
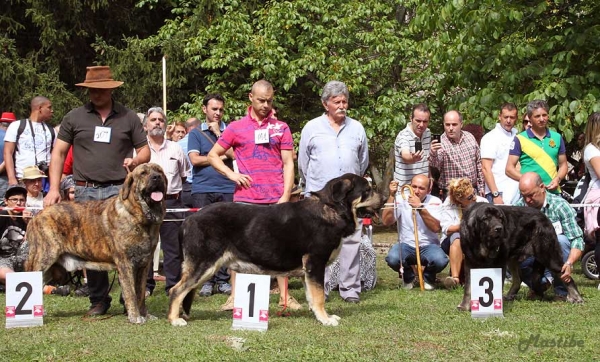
[[495, 194]]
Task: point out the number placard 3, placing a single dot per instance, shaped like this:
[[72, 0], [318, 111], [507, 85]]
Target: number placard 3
[[486, 293], [24, 300], [251, 303]]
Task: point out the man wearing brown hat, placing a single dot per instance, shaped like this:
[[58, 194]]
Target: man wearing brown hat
[[103, 134]]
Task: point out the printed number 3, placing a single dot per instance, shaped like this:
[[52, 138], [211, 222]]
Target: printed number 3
[[20, 310], [487, 291]]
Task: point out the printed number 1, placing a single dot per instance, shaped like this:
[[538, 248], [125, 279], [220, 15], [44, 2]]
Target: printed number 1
[[487, 291], [251, 288], [20, 310]]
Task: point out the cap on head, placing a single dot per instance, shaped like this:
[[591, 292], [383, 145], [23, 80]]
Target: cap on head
[[99, 77], [15, 190]]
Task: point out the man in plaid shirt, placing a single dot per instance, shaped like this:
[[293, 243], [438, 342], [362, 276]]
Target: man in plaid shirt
[[562, 216], [457, 155]]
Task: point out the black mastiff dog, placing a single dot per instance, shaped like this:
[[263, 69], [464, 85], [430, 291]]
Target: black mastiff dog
[[495, 236], [273, 240]]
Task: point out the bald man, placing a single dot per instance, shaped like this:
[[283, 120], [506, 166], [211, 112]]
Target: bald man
[[457, 155], [562, 215], [263, 148], [433, 258], [34, 144]]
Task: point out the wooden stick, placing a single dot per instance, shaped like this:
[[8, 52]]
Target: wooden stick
[[416, 228]]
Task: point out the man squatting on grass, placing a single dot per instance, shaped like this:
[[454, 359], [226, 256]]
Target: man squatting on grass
[[433, 258]]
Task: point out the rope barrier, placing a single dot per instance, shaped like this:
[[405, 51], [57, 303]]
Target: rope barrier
[[387, 205]]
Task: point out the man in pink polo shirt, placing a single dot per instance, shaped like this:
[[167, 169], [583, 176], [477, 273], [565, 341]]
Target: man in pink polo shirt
[[263, 148]]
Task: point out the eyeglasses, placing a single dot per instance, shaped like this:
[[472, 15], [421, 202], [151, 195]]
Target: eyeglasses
[[17, 201]]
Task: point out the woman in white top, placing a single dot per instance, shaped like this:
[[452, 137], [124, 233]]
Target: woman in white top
[[461, 195], [591, 158]]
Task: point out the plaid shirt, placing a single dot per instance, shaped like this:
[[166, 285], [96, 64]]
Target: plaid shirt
[[558, 210], [457, 160]]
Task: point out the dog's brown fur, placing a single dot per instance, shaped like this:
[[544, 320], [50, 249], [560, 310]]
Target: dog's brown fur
[[120, 232]]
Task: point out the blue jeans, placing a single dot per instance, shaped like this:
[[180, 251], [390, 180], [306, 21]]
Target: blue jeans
[[527, 270], [433, 259]]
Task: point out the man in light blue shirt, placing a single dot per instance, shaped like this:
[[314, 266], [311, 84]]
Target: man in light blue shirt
[[330, 146]]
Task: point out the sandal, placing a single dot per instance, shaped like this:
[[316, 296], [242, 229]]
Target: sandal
[[451, 282]]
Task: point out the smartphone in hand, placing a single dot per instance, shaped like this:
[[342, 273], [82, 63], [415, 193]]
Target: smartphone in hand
[[436, 137], [418, 146]]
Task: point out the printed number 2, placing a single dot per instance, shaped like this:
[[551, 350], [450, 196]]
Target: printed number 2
[[251, 288], [487, 291], [20, 310]]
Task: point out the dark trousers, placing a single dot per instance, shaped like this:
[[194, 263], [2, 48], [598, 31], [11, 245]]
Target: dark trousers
[[204, 199], [97, 280], [169, 243]]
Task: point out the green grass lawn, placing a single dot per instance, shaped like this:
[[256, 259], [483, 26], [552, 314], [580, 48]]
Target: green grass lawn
[[388, 324]]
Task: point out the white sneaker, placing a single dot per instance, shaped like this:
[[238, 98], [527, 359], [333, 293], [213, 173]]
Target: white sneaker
[[428, 286], [409, 285]]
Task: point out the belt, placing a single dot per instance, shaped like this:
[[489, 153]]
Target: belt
[[172, 196], [96, 185]]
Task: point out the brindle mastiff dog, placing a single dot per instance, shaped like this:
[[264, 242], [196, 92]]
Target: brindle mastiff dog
[[273, 240], [120, 232]]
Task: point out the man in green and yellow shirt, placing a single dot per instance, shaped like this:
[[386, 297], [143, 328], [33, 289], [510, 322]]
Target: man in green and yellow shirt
[[539, 150]]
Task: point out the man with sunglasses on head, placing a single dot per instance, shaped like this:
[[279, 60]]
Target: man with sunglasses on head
[[103, 134]]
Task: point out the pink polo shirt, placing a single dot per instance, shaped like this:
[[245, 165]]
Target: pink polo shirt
[[263, 161]]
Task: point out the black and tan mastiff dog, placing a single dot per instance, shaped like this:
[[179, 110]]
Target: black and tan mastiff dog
[[273, 240], [493, 236], [120, 232]]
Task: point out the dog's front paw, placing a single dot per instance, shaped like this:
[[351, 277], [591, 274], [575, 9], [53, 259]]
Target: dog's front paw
[[331, 320], [178, 322], [463, 307], [150, 317], [575, 300], [510, 297], [137, 320]]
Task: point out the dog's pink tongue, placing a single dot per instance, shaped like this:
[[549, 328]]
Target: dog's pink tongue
[[157, 196]]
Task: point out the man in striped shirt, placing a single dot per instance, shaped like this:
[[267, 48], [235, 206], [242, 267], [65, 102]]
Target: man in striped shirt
[[170, 157], [457, 155], [410, 160]]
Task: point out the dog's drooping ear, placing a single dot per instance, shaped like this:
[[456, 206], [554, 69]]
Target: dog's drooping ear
[[340, 189], [126, 189]]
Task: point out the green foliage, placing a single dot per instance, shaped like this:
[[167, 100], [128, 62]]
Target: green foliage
[[490, 52]]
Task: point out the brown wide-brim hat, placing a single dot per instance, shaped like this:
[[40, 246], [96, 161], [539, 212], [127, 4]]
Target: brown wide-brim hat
[[99, 77]]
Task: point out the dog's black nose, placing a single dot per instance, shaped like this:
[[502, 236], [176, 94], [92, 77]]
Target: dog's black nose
[[155, 177], [498, 229]]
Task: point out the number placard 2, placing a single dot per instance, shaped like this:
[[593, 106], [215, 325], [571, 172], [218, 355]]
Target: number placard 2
[[24, 300], [251, 303], [486, 293]]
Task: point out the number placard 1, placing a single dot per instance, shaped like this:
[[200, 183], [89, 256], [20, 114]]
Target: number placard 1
[[251, 303], [24, 300], [486, 293]]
